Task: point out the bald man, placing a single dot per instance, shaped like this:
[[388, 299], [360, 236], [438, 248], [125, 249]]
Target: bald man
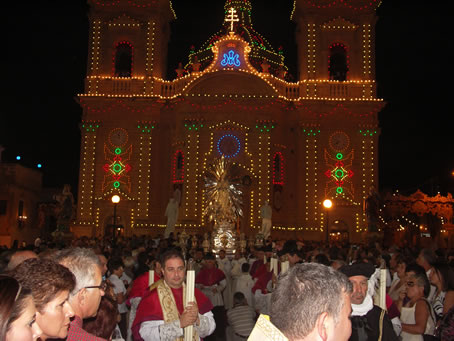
[[18, 257]]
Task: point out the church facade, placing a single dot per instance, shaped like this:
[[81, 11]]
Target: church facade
[[293, 144]]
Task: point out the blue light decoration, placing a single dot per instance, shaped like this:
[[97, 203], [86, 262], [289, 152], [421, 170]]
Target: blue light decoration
[[39, 165], [18, 157], [229, 145], [231, 59]]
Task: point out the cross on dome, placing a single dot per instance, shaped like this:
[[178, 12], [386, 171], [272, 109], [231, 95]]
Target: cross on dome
[[232, 17]]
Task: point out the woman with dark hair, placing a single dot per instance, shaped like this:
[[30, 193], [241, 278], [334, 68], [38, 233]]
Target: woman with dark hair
[[50, 284], [106, 319], [17, 312], [442, 276], [417, 315]]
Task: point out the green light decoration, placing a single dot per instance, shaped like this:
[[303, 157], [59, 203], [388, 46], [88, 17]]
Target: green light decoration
[[117, 151], [146, 128], [311, 132], [367, 132], [339, 174], [193, 125], [116, 184], [117, 168]]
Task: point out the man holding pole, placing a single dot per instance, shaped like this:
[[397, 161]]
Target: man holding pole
[[163, 313]]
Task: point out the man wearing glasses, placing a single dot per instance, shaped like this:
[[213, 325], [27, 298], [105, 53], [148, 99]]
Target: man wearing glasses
[[86, 296], [369, 322]]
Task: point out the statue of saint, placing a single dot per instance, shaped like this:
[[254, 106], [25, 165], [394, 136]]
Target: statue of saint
[[172, 217], [266, 212]]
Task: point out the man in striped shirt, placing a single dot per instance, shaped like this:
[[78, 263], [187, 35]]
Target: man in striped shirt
[[241, 317]]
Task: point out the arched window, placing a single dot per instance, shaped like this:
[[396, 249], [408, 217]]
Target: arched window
[[123, 59], [338, 62], [178, 167], [278, 169]]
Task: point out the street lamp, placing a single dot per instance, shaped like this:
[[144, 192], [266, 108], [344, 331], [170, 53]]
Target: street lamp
[[327, 204], [115, 200]]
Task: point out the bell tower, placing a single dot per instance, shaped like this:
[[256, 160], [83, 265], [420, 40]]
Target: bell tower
[[127, 39], [336, 40]]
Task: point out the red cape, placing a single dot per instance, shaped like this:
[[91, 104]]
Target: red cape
[[140, 286], [149, 308], [255, 266], [209, 277], [263, 277]]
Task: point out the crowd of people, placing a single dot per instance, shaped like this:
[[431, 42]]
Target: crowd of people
[[134, 289]]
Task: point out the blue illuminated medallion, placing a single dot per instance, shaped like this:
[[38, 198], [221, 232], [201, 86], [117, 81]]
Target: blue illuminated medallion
[[229, 145], [231, 59]]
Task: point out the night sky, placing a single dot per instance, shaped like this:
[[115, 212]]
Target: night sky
[[47, 44]]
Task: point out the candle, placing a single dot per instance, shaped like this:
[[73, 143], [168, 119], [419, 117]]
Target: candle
[[150, 277], [274, 266], [383, 289], [190, 282], [285, 266]]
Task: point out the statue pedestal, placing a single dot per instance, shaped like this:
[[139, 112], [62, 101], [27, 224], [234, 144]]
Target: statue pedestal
[[224, 238]]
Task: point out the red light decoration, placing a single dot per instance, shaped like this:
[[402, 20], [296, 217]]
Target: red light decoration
[[178, 167], [278, 169]]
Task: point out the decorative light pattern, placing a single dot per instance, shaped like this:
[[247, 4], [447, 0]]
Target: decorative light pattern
[[117, 168], [339, 175], [178, 167], [231, 58], [227, 147], [278, 169]]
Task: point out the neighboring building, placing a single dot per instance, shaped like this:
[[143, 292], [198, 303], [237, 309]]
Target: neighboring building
[[292, 143], [20, 190]]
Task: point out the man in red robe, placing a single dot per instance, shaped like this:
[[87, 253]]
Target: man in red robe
[[211, 281], [162, 314]]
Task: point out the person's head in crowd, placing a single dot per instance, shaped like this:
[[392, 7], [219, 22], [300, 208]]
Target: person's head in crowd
[[18, 257], [239, 299], [417, 286], [358, 274], [222, 254], [413, 268], [442, 277], [198, 256], [393, 260], [116, 266], [336, 264], [173, 268], [86, 267], [209, 260], [400, 265], [105, 321], [426, 258], [320, 308], [321, 258], [103, 261], [50, 284], [17, 312], [245, 267]]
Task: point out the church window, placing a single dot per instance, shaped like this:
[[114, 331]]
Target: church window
[[123, 58], [178, 167], [278, 169], [338, 62]]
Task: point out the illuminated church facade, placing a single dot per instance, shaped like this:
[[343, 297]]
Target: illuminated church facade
[[293, 143]]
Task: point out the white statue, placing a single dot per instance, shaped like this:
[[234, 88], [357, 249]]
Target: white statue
[[205, 243], [266, 212], [172, 217]]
